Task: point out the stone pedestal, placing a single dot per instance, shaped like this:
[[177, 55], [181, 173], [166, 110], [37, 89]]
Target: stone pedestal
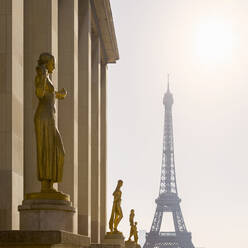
[[46, 214], [114, 239], [131, 244], [105, 246], [44, 239]]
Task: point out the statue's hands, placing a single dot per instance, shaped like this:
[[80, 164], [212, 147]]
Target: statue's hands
[[46, 73], [61, 94]]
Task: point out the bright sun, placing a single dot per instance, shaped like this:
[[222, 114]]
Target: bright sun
[[214, 41]]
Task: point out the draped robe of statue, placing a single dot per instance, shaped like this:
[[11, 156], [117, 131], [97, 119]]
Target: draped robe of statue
[[50, 149]]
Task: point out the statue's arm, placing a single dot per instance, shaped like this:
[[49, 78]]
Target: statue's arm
[[40, 86], [61, 94]]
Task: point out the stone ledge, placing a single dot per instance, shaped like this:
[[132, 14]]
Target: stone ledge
[[36, 238], [118, 236], [46, 204], [131, 244], [46, 215], [114, 239], [105, 246]]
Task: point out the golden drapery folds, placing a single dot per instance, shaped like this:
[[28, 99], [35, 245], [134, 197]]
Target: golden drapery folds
[[116, 214], [50, 149]]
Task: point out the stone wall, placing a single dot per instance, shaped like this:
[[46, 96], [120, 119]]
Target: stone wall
[[80, 34]]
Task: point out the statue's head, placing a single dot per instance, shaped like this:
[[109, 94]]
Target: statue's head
[[48, 61], [132, 211], [135, 223], [120, 183]]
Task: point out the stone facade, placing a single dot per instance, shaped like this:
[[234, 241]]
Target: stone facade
[[81, 36], [42, 239]]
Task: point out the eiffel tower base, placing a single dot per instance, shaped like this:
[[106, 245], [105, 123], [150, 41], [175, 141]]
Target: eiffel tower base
[[169, 240]]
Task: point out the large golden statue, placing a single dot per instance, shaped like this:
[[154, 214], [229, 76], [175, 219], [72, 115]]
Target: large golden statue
[[50, 149], [116, 214]]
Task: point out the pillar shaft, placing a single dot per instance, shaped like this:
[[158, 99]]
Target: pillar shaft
[[68, 108], [95, 140], [103, 168], [84, 118], [11, 112], [40, 35]]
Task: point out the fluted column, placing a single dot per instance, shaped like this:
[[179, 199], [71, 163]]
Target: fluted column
[[11, 112], [95, 139], [68, 108], [103, 167], [40, 35], [84, 118]]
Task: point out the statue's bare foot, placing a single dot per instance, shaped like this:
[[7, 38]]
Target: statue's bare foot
[[47, 186], [52, 189]]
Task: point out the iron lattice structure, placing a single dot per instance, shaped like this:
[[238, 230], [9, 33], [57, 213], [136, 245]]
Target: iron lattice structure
[[168, 200]]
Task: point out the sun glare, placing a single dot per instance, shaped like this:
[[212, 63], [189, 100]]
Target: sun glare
[[214, 41]]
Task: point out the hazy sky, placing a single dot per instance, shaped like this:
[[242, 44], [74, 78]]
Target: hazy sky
[[203, 44]]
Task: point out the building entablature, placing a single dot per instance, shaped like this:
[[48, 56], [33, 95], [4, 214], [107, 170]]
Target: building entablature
[[103, 26]]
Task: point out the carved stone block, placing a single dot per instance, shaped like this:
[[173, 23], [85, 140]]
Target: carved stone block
[[41, 214]]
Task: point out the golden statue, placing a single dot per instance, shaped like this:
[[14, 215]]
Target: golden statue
[[50, 149], [135, 233], [116, 214], [133, 228], [131, 217]]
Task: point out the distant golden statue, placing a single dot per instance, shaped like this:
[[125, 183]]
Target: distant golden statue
[[116, 214], [133, 227], [135, 233], [131, 217], [50, 149]]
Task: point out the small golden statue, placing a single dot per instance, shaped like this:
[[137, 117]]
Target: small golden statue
[[135, 233], [133, 227], [50, 149], [116, 214], [131, 217]]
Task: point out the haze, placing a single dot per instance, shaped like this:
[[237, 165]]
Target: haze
[[203, 45]]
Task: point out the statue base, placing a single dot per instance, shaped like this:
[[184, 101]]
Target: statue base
[[114, 238], [49, 195], [45, 239], [131, 244], [46, 214]]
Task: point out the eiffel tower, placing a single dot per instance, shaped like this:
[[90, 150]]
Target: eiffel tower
[[168, 200]]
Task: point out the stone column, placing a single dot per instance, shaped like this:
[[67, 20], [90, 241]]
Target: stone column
[[103, 178], [68, 108], [40, 35], [84, 118], [11, 112], [95, 140]]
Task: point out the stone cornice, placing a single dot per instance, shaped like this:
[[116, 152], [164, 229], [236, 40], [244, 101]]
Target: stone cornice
[[105, 25]]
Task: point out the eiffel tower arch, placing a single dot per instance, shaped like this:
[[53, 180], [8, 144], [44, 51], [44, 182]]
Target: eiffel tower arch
[[168, 200]]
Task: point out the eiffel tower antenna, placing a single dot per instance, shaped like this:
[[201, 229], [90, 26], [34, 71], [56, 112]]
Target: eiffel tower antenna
[[168, 200]]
